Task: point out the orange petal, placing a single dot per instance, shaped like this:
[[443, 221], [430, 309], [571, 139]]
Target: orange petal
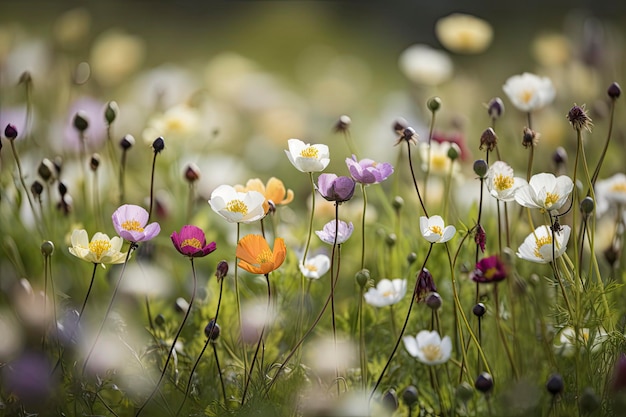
[[249, 248], [280, 252]]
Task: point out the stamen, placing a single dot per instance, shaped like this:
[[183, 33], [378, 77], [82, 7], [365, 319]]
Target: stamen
[[309, 152], [237, 206], [436, 229], [551, 199], [502, 182], [100, 246], [193, 242], [132, 225], [546, 240], [432, 352]]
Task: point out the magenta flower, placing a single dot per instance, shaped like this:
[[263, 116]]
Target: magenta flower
[[367, 171], [490, 269], [334, 188], [192, 242], [130, 221], [327, 234]]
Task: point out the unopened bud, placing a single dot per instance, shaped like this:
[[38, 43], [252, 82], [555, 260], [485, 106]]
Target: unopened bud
[[454, 151], [464, 392], [10, 132], [559, 156], [159, 320], [481, 168], [46, 169], [391, 239], [181, 305], [25, 78], [221, 270], [495, 107], [587, 205], [47, 248], [94, 162], [434, 301], [62, 189], [362, 277], [397, 202], [158, 145], [81, 121], [343, 124], [479, 310], [555, 384], [36, 188], [399, 125], [411, 258], [192, 173], [484, 383], [212, 330], [110, 113], [390, 401], [127, 142], [434, 104], [614, 91], [410, 396]]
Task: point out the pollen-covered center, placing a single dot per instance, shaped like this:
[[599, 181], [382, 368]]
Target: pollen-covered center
[[431, 352], [309, 152], [311, 267], [551, 198], [526, 96], [193, 242], [439, 162], [264, 257], [389, 293], [99, 246], [502, 182], [546, 240], [132, 226], [619, 187], [237, 206], [436, 229]]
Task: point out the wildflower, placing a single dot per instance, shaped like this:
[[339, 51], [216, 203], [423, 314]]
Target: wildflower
[[306, 157], [490, 269], [591, 339], [192, 173], [501, 183], [434, 230], [579, 119], [440, 161], [614, 91], [529, 92], [480, 237], [425, 284], [488, 140], [367, 171], [237, 207], [555, 384], [618, 381], [130, 221], [407, 134], [177, 123], [428, 347], [545, 192], [464, 33], [538, 246], [484, 382], [610, 192], [256, 257], [422, 64], [343, 124], [191, 242], [10, 132], [386, 293], [274, 192], [495, 107], [334, 188], [101, 250], [529, 138], [343, 232], [315, 267]]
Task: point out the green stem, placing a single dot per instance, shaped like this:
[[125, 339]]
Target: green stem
[[308, 239], [363, 226]]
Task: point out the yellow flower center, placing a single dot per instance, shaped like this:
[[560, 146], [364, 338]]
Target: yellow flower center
[[546, 240], [502, 182], [388, 293], [311, 267], [619, 187], [550, 199], [436, 229], [439, 162], [265, 256], [237, 206], [526, 96], [132, 225], [431, 352], [174, 125], [309, 152], [193, 242], [100, 246]]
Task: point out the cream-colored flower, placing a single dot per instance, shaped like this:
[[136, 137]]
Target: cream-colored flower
[[501, 183], [386, 293], [237, 207], [544, 191], [610, 192], [590, 339], [440, 163], [464, 33], [434, 229], [306, 157], [177, 123], [100, 250], [538, 246], [315, 267], [422, 64], [529, 92], [428, 347]]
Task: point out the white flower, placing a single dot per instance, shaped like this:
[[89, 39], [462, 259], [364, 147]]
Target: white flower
[[538, 247], [529, 92], [440, 162], [501, 183], [237, 207], [464, 33], [100, 250], [434, 229], [178, 123], [306, 157], [587, 339], [610, 192], [422, 64], [386, 293], [428, 347], [545, 192], [315, 267]]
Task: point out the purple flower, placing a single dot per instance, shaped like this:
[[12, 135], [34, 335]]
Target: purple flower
[[334, 188], [425, 285], [367, 171], [28, 377], [490, 269], [192, 242], [618, 381], [130, 221], [327, 234]]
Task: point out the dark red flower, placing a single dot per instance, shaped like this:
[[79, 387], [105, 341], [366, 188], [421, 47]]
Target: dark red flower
[[490, 269]]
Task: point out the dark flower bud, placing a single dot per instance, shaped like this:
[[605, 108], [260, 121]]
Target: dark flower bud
[[587, 205], [555, 384], [495, 107], [158, 145], [362, 277], [127, 142], [397, 203], [410, 396], [411, 258], [464, 392], [10, 132], [192, 173], [212, 330], [484, 383], [481, 168], [618, 380], [94, 162], [46, 169], [47, 248], [159, 320], [343, 124], [425, 284], [488, 140], [390, 401], [25, 78], [589, 401], [614, 91], [399, 125], [559, 156], [181, 305], [454, 152], [81, 121], [529, 138], [110, 113], [62, 189], [479, 310], [407, 134], [221, 271], [611, 254], [434, 104], [579, 119], [36, 188], [434, 301], [58, 165], [480, 238], [391, 239]]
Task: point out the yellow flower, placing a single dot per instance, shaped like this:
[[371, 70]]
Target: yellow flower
[[464, 33], [100, 250], [274, 191], [256, 257]]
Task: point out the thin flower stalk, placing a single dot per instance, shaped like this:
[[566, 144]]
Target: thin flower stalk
[[20, 174], [596, 171]]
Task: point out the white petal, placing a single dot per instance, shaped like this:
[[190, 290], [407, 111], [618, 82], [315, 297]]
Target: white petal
[[410, 344]]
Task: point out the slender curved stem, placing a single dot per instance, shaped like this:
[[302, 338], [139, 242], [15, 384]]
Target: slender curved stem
[[308, 239], [419, 196], [363, 226], [152, 185]]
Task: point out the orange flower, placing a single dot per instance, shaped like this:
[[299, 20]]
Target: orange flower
[[255, 255], [274, 191]]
